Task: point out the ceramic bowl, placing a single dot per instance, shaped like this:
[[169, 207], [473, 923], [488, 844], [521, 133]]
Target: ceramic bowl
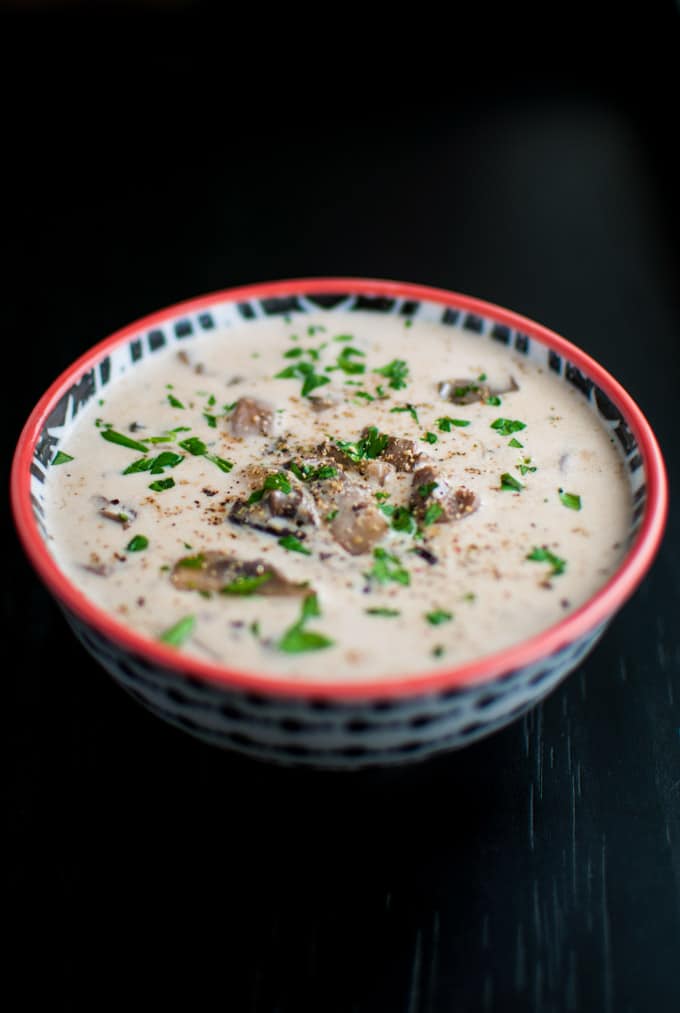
[[338, 725]]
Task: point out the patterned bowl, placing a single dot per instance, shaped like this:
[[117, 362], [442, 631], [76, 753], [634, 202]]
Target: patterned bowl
[[338, 725]]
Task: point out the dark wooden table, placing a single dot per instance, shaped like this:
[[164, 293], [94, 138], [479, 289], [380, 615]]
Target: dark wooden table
[[537, 870]]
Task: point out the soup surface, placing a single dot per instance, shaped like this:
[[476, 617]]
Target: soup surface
[[338, 496]]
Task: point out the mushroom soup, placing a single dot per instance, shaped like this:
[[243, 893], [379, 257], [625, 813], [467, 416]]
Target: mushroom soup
[[341, 495]]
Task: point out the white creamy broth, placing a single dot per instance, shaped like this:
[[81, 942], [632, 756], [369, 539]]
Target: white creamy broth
[[444, 574]]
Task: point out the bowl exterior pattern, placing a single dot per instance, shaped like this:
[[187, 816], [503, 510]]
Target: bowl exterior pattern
[[301, 729], [327, 733]]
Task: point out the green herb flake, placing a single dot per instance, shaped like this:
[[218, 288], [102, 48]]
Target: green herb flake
[[406, 408], [162, 484], [297, 639], [426, 488], [524, 467], [180, 632], [387, 567], [122, 440], [515, 443], [137, 544], [438, 651], [397, 373], [445, 422], [429, 438], [61, 458], [433, 513], [343, 337], [194, 446], [408, 323], [246, 585], [275, 481], [542, 555], [365, 395], [211, 420], [220, 462], [303, 371], [493, 400], [293, 353], [510, 484], [367, 448], [293, 544], [345, 363], [331, 516], [386, 612], [569, 499], [307, 474], [506, 427], [438, 616], [174, 402]]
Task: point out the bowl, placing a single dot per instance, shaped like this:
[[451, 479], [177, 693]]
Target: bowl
[[339, 724]]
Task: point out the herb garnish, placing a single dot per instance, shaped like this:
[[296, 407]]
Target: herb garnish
[[172, 400], [382, 612], [303, 371], [124, 441], [61, 458], [155, 465], [275, 481], [493, 400], [194, 446], [344, 361], [429, 438], [542, 555], [162, 484], [180, 632], [523, 467], [343, 337], [401, 518], [137, 543], [246, 585], [293, 544], [369, 447], [406, 408], [438, 616], [308, 474], [297, 639], [396, 372], [445, 422], [569, 499], [433, 512], [506, 427], [211, 420], [192, 562], [510, 484], [426, 488], [387, 567], [515, 443]]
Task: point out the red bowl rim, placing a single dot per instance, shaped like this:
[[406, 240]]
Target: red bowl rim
[[586, 619]]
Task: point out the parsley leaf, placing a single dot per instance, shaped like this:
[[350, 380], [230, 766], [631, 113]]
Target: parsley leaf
[[569, 499], [542, 555], [445, 422], [406, 408], [506, 427], [180, 632], [275, 481], [396, 372], [293, 544], [387, 567], [510, 484], [438, 616], [61, 458], [137, 543]]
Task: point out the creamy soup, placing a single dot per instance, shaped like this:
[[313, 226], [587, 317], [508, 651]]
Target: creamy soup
[[341, 495]]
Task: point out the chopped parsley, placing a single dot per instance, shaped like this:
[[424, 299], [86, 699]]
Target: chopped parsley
[[61, 458], [365, 395], [542, 555], [387, 567], [210, 419], [524, 467], [174, 402], [382, 612], [438, 616], [137, 544], [331, 516], [494, 400], [396, 372], [515, 443], [438, 651], [344, 361], [194, 446], [401, 518], [367, 448], [433, 513], [343, 337], [429, 438], [275, 481], [246, 585], [510, 484], [426, 488], [297, 639], [154, 465], [506, 427], [293, 544], [293, 353], [162, 484], [406, 408], [569, 499], [122, 440], [221, 463], [192, 562], [445, 422], [303, 371], [180, 632], [308, 474]]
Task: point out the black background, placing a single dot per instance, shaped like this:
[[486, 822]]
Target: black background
[[525, 157]]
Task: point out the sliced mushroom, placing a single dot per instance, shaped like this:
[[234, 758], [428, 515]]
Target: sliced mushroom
[[252, 417], [358, 524], [260, 517], [402, 453], [428, 488], [216, 571], [116, 511], [322, 402], [466, 390]]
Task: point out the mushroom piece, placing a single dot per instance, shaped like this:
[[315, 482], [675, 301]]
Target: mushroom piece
[[358, 524], [252, 417], [379, 471], [277, 512], [216, 571], [116, 511], [466, 391], [428, 489], [402, 453]]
